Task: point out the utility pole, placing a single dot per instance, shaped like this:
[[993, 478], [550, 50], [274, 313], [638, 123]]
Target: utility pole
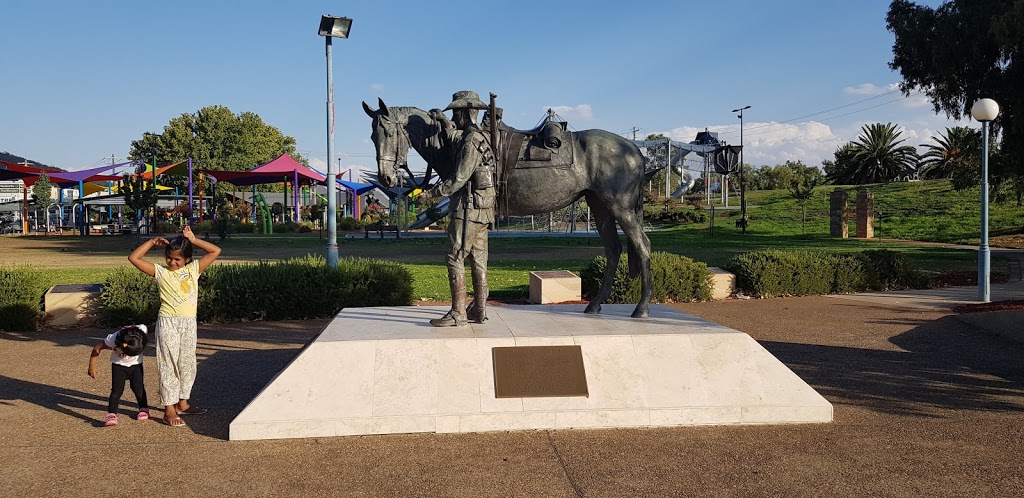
[[634, 130], [24, 203]]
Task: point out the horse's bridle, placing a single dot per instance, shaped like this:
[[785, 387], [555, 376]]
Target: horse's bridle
[[401, 135]]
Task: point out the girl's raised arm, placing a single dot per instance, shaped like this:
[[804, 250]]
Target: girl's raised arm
[[211, 249], [137, 257]]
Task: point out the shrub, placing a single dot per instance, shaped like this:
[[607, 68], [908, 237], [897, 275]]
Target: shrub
[[348, 224], [774, 273], [888, 270], [21, 289], [293, 289], [673, 278], [128, 297]]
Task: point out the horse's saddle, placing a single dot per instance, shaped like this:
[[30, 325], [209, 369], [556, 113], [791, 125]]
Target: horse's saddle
[[549, 145]]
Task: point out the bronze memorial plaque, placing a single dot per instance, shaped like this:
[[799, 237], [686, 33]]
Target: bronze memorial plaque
[[539, 372]]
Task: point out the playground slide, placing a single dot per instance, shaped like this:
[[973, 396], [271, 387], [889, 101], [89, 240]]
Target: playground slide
[[422, 220]]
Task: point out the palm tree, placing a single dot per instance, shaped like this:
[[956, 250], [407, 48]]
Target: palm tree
[[878, 156], [958, 150]]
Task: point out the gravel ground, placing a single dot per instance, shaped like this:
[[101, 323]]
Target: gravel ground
[[924, 406]]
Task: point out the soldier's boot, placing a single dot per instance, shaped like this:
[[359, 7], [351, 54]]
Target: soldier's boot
[[477, 311], [456, 316]]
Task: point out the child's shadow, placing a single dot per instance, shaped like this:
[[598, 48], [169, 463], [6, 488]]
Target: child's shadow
[[55, 398]]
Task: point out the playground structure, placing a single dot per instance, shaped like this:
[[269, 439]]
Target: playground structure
[[98, 194]]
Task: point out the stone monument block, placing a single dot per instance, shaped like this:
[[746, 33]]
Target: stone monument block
[[838, 223], [68, 305], [865, 214], [556, 286], [723, 283]]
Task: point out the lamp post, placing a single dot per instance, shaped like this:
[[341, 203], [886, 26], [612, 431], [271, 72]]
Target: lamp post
[[743, 179], [332, 27], [984, 110]]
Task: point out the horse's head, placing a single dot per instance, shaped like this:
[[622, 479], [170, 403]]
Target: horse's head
[[391, 140]]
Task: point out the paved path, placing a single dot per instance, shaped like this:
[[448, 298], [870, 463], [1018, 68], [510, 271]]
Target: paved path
[[924, 406]]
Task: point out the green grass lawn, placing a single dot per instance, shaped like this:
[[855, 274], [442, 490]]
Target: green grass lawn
[[924, 211]]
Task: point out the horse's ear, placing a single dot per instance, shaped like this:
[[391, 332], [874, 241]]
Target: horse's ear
[[383, 106], [369, 112]]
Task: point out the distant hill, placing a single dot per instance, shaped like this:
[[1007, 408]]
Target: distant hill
[[11, 158]]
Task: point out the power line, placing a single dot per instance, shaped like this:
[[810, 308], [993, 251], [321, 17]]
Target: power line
[[873, 97], [783, 124]]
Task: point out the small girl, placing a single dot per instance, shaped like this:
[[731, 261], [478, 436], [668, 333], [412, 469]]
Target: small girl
[[125, 364], [176, 320]]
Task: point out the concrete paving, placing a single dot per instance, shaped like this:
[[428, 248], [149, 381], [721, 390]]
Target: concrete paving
[[925, 405]]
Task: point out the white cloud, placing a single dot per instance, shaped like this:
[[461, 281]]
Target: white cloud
[[773, 143], [870, 89], [581, 112]]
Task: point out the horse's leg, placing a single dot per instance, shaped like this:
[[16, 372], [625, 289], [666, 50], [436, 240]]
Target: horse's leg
[[605, 223], [639, 254]]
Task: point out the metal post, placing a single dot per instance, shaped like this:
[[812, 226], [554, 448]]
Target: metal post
[[295, 193], [190, 206], [332, 201], [668, 166], [743, 181], [984, 256]]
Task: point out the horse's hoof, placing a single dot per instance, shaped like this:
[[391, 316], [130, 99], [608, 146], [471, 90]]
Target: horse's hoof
[[592, 309], [639, 313]]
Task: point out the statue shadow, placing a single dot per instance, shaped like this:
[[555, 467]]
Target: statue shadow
[[944, 365]]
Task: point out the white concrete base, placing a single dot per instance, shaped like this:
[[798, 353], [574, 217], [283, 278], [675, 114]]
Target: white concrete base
[[386, 370]]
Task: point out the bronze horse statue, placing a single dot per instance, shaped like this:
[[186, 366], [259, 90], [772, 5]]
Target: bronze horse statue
[[602, 167]]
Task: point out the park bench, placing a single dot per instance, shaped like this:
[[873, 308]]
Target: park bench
[[381, 229]]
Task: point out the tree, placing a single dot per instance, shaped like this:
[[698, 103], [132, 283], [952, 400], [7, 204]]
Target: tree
[[875, 157], [139, 195], [802, 188], [42, 198], [959, 149], [656, 156], [215, 138], [960, 52]]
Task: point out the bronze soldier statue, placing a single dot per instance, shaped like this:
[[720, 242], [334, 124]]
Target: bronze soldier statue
[[472, 193]]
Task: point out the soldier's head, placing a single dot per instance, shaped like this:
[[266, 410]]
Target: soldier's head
[[464, 107]]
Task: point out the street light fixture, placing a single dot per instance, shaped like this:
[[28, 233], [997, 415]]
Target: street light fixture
[[743, 180], [984, 110], [332, 27]]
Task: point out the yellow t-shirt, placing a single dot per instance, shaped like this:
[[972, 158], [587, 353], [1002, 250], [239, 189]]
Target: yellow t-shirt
[[179, 290]]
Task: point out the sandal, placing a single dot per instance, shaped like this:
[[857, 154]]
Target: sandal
[[192, 410], [175, 422], [110, 420], [143, 415]]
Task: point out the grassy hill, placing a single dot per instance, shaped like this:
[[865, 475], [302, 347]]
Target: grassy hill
[[925, 211]]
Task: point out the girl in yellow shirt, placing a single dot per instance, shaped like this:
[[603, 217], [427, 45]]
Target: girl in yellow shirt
[[176, 321]]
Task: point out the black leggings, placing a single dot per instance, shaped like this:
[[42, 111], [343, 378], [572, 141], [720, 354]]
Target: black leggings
[[133, 374]]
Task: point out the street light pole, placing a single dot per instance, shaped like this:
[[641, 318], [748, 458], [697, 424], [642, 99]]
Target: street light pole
[[743, 178], [984, 110], [332, 27]]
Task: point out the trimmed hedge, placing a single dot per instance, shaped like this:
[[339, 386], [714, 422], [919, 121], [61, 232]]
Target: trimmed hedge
[[674, 278], [292, 289], [775, 273], [21, 290]]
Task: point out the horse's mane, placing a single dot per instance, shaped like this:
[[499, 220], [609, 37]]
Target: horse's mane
[[424, 137]]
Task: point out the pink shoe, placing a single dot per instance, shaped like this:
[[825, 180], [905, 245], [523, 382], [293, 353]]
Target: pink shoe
[[143, 414], [111, 420]]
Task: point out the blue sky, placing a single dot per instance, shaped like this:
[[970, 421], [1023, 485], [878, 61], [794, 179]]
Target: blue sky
[[84, 79]]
